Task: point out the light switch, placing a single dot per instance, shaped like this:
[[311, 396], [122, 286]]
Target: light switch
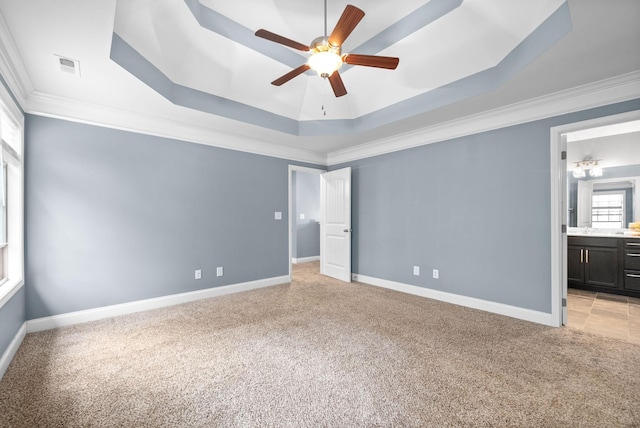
[[278, 215], [301, 216]]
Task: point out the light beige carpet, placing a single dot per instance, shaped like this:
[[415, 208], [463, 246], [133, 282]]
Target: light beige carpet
[[317, 352]]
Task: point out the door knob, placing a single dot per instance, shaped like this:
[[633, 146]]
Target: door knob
[[347, 230]]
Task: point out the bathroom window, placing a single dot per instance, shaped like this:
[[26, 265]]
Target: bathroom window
[[607, 210]]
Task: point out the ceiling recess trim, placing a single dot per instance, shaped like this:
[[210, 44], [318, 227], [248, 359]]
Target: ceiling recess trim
[[225, 27], [542, 38], [619, 89], [418, 19], [12, 71], [213, 21], [129, 59], [99, 115], [609, 91]]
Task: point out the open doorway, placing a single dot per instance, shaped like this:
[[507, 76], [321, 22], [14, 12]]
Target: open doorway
[[595, 195], [304, 217]]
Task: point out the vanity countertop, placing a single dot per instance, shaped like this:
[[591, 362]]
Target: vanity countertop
[[603, 234]]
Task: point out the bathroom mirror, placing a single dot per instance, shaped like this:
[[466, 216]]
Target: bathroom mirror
[[610, 203]]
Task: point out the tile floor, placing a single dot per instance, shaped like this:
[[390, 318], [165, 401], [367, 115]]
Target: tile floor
[[605, 314]]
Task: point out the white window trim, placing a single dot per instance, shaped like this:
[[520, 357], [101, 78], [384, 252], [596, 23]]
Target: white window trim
[[15, 213], [622, 194]]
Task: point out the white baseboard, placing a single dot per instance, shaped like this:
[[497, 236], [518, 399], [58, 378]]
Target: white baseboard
[[71, 318], [305, 259], [456, 299], [12, 349]]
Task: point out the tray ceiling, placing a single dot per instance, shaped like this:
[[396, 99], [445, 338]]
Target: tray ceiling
[[208, 59]]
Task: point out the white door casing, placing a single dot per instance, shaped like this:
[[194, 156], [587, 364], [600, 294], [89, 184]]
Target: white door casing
[[335, 224], [558, 214], [585, 190], [296, 168], [565, 221]]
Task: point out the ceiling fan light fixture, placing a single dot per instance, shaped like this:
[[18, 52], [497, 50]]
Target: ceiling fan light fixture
[[325, 63]]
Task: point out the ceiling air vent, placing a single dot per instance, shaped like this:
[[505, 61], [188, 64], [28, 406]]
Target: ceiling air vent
[[68, 65]]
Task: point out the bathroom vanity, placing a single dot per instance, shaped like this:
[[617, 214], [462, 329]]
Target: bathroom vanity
[[608, 263]]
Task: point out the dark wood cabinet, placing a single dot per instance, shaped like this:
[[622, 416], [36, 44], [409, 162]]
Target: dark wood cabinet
[[601, 266], [604, 264], [632, 265], [593, 261], [575, 260]]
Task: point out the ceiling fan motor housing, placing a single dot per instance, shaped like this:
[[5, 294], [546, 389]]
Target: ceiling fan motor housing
[[321, 44]]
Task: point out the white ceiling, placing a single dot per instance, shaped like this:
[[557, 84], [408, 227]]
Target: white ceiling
[[614, 145], [458, 59]]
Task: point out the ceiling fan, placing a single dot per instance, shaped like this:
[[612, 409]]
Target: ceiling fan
[[326, 52]]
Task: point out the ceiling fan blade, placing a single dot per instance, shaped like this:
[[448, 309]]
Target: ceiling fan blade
[[347, 22], [290, 75], [337, 84], [372, 61], [282, 40]]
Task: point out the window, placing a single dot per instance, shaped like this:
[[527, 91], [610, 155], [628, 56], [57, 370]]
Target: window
[[11, 196], [607, 209], [3, 216]]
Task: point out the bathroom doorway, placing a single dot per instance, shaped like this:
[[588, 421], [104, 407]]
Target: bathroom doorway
[[610, 146]]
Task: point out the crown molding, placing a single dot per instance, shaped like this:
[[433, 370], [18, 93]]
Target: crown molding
[[12, 67], [609, 91], [93, 114]]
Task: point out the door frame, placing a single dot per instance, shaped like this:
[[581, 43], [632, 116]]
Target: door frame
[[307, 170], [559, 200]]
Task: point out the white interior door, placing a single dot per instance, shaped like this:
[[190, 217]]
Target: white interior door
[[335, 224]]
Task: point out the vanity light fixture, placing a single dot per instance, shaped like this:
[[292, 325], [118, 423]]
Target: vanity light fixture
[[578, 171], [596, 171], [588, 164]]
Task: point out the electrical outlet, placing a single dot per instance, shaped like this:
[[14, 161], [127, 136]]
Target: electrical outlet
[[436, 273], [219, 271], [278, 215], [416, 270], [198, 274]]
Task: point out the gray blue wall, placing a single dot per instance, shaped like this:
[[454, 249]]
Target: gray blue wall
[[477, 208], [12, 316], [115, 217], [307, 202]]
